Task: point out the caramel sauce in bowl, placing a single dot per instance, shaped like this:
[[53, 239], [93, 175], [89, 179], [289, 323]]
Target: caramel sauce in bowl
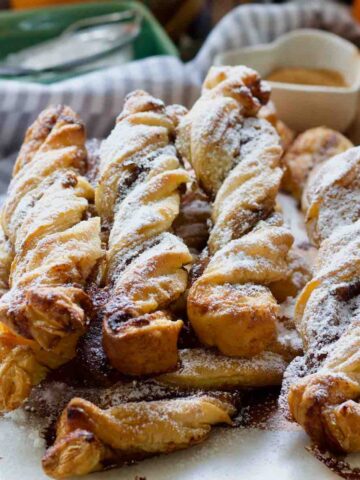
[[314, 77], [322, 77]]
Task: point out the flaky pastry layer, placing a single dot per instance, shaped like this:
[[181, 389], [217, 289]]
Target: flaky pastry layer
[[52, 248]]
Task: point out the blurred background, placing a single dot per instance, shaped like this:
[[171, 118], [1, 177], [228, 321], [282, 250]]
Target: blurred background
[[90, 55], [187, 22]]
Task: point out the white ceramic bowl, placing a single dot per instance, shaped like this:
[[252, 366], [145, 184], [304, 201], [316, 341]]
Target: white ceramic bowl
[[304, 106]]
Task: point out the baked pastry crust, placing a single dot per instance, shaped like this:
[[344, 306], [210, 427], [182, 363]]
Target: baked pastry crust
[[248, 193], [138, 197], [324, 400], [287, 136], [206, 369], [19, 369], [230, 306], [54, 251], [88, 438], [331, 195], [144, 345], [297, 276], [210, 132], [310, 149]]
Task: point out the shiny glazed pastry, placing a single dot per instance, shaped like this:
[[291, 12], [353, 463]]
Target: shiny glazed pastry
[[53, 249], [138, 197], [324, 398]]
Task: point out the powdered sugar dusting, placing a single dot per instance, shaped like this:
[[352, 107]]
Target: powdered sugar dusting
[[332, 195]]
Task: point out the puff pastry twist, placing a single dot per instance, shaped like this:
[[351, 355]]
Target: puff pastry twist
[[138, 198], [89, 438], [211, 130], [144, 273], [324, 399], [236, 159], [307, 152], [54, 250], [331, 195]]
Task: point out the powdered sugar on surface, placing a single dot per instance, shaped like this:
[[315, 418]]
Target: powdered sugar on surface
[[295, 220], [229, 454]]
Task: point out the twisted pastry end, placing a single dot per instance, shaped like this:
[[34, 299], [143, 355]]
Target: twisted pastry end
[[231, 306], [88, 438]]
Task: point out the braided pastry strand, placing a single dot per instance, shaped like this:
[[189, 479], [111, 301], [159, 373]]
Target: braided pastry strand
[[138, 197], [54, 250], [231, 305], [325, 400]]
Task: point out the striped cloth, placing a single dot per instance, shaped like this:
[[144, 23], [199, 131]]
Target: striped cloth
[[98, 96]]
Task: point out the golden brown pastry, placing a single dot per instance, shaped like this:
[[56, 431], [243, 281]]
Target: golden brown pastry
[[230, 306], [6, 257], [138, 198], [55, 141], [55, 249], [287, 136], [208, 370], [56, 128], [332, 195], [46, 302], [145, 344], [296, 278], [89, 438], [310, 149], [324, 398], [20, 369], [212, 129], [192, 222]]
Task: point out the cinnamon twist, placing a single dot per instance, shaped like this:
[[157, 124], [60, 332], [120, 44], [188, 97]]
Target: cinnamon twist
[[54, 249], [325, 400], [138, 198], [309, 150], [236, 159], [89, 438], [144, 273]]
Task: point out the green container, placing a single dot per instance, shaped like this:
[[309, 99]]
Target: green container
[[25, 28]]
